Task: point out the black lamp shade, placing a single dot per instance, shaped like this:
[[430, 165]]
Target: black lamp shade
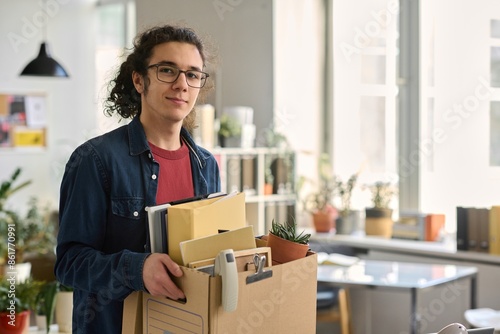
[[44, 65]]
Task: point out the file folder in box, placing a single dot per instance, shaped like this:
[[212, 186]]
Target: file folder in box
[[203, 218]]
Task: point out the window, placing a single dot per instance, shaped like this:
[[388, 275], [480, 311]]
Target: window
[[115, 30], [364, 91], [418, 97]]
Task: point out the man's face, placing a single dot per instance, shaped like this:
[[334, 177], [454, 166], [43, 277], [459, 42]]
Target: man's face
[[173, 101]]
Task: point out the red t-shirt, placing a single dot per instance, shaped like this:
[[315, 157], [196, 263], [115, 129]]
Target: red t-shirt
[[175, 180]]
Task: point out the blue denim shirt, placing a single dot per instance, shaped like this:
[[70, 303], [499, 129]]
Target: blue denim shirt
[[108, 182]]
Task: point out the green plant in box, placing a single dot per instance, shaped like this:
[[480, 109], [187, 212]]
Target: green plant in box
[[288, 232], [286, 245]]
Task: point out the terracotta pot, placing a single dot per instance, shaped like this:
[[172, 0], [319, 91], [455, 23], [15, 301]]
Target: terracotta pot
[[21, 323], [268, 189], [283, 251], [324, 221]]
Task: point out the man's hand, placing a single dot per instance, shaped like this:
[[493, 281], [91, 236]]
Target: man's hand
[[156, 278]]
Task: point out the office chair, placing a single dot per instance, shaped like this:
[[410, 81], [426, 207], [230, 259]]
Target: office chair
[[457, 328], [333, 305]]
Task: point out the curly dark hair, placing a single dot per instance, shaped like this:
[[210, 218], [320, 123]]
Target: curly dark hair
[[123, 97]]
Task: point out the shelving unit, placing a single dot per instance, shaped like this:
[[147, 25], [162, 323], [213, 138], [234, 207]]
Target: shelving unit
[[267, 176]]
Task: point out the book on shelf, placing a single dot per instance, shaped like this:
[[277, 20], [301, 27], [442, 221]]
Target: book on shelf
[[291, 211], [281, 175], [270, 215], [483, 219], [462, 241], [494, 230], [472, 229], [282, 212], [248, 175], [233, 173], [411, 226]]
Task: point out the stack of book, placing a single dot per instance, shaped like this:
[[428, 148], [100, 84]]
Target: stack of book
[[478, 229], [418, 226]]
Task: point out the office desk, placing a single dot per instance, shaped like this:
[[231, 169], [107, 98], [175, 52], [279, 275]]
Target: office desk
[[413, 277]]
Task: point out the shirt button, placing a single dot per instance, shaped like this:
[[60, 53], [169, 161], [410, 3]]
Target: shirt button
[[153, 176], [149, 155], [136, 213]]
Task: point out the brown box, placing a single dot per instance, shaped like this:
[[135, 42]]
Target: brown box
[[282, 303], [434, 222]]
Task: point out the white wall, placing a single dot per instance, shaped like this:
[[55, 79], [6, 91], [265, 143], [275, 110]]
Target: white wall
[[71, 102], [251, 71], [271, 58], [299, 54], [241, 34]]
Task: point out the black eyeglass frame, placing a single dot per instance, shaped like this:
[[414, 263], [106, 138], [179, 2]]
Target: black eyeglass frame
[[203, 80]]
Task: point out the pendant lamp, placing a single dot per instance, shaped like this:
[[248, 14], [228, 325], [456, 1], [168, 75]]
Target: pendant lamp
[[44, 65]]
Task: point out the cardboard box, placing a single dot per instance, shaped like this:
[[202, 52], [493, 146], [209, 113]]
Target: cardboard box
[[283, 303]]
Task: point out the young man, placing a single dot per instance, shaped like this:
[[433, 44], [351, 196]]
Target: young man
[[110, 179]]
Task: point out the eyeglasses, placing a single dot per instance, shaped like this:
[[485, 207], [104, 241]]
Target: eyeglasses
[[169, 74]]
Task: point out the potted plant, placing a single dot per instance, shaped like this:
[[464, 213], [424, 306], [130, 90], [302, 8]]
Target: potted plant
[[228, 127], [348, 219], [17, 299], [275, 139], [286, 245], [319, 203], [34, 232], [64, 309], [344, 192], [7, 188], [29, 233], [268, 181], [332, 198], [379, 217], [45, 305]]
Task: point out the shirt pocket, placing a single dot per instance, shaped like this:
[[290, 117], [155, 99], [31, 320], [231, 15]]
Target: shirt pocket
[[128, 208]]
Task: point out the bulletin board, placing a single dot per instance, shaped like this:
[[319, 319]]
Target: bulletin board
[[23, 120]]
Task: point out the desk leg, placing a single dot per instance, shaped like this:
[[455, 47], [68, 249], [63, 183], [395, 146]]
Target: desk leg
[[368, 310], [415, 319], [473, 292]]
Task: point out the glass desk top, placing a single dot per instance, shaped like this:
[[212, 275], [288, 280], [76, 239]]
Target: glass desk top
[[393, 274]]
